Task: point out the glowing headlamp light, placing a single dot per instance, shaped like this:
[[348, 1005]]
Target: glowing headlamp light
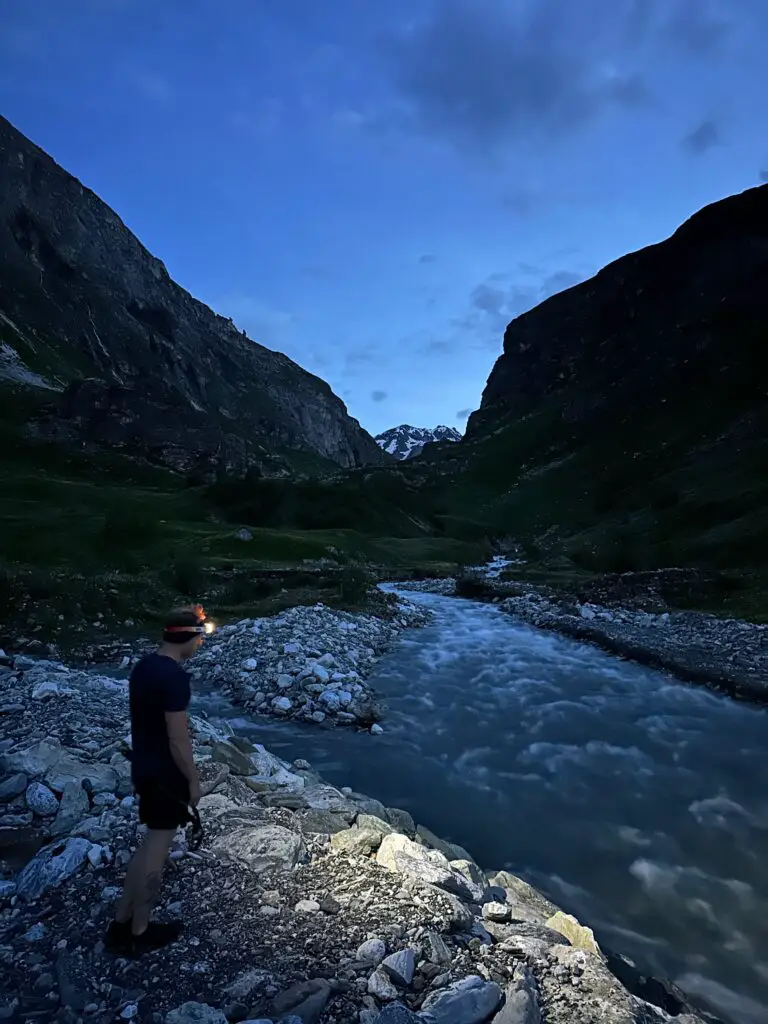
[[209, 627]]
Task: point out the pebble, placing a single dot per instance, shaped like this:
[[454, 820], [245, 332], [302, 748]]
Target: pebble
[[307, 907], [372, 951]]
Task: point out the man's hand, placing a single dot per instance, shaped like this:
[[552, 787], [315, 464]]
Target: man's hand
[[195, 793]]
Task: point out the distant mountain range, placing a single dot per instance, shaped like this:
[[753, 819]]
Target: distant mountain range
[[405, 442]]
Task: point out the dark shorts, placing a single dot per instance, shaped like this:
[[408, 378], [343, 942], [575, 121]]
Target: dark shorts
[[163, 806]]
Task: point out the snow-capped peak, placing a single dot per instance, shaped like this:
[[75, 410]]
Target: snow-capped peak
[[405, 442]]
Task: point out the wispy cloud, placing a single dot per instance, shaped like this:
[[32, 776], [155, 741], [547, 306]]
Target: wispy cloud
[[703, 138], [150, 84], [379, 396]]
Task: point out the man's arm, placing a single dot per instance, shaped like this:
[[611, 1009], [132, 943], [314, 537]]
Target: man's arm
[[177, 723]]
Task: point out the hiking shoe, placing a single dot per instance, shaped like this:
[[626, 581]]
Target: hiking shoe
[[157, 935], [118, 937]]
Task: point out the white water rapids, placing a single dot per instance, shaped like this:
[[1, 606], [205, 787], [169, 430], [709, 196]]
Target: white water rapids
[[637, 802]]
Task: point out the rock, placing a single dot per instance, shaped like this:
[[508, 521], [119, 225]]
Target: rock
[[261, 847], [243, 534], [73, 807], [322, 675], [396, 1013], [519, 891], [13, 786], [401, 821], [247, 984], [476, 882], [250, 665], [282, 704], [579, 936], [469, 1001], [35, 933], [402, 855], [40, 800], [497, 912], [307, 907], [357, 842], [284, 682], [319, 822], [7, 889], [401, 967], [48, 688], [35, 759], [378, 730], [370, 823], [305, 1000], [50, 866], [435, 949], [372, 951], [381, 987], [68, 769], [238, 762], [521, 1005], [451, 851], [195, 1013]]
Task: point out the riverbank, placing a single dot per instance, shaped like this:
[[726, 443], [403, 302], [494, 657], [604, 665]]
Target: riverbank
[[725, 654], [302, 900]]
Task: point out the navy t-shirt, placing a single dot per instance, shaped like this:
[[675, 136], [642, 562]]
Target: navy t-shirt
[[157, 684]]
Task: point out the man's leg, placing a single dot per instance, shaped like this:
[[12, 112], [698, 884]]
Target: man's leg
[[147, 877]]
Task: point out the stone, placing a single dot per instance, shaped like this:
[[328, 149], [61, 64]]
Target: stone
[[261, 847], [247, 984], [380, 986], [195, 1013], [435, 949], [13, 786], [579, 936], [7, 889], [319, 822], [400, 966], [396, 1013], [35, 933], [371, 823], [519, 891], [306, 1001], [378, 730], [35, 759], [282, 704], [372, 951], [497, 912], [477, 884], [73, 807], [307, 907], [68, 768], [469, 1001], [357, 842], [244, 535], [51, 866], [40, 800], [401, 821], [238, 762], [402, 855], [521, 1005], [250, 665], [48, 688], [451, 851], [284, 682], [321, 674]]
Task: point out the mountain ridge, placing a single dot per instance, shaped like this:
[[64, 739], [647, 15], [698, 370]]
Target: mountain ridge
[[406, 442], [82, 300]]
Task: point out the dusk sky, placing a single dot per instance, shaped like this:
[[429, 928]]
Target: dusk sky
[[376, 187]]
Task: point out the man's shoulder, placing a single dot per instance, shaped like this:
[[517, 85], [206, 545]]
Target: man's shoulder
[[157, 668]]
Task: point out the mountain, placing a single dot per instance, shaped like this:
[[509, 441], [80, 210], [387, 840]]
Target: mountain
[[120, 357], [625, 421], [406, 442]]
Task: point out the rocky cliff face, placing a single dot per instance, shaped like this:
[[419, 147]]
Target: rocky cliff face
[[680, 321], [630, 411], [81, 300]]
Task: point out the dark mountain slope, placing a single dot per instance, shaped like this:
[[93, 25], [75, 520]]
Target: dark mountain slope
[[82, 300]]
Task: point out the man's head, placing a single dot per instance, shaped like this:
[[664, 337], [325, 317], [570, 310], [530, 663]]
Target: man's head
[[184, 631]]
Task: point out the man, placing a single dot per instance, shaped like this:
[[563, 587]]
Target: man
[[164, 778]]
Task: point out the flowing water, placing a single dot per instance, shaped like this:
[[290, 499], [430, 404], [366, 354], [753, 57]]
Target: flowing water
[[638, 803]]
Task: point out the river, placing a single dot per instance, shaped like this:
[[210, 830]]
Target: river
[[636, 802]]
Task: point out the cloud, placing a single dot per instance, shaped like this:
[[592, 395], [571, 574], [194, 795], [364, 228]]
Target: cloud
[[703, 138], [464, 414], [485, 72], [427, 257], [379, 396], [764, 176], [699, 26]]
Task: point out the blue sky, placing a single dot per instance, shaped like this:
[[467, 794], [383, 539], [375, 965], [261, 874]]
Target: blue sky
[[376, 189]]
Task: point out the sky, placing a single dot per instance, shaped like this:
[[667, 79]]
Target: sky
[[377, 188]]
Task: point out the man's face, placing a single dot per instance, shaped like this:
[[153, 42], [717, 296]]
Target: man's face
[[191, 647]]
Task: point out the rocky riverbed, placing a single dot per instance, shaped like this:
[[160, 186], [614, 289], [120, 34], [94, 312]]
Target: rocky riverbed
[[303, 902], [725, 654]]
